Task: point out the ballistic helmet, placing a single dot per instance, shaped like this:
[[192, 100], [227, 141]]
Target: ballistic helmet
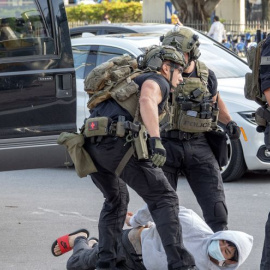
[[156, 55], [184, 40]]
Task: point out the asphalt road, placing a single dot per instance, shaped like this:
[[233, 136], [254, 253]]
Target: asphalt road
[[37, 206]]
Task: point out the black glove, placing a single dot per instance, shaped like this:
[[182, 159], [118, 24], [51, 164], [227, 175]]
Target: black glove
[[260, 129], [158, 152], [262, 116], [233, 130], [267, 136]]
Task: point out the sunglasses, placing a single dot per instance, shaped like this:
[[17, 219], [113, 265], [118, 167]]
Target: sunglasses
[[175, 66]]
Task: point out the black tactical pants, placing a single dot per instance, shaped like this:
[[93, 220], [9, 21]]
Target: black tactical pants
[[151, 184], [195, 159], [265, 261], [84, 257]]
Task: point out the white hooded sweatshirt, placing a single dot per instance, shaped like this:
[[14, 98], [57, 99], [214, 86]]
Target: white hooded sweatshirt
[[197, 236]]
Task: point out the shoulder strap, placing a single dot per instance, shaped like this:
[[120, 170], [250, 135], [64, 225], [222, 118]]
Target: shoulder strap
[[124, 160], [264, 59], [202, 70], [134, 74]]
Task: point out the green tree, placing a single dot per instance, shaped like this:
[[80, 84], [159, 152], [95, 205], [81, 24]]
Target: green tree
[[195, 10], [118, 11]]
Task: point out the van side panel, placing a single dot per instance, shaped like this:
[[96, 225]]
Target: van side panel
[[38, 92], [37, 83]]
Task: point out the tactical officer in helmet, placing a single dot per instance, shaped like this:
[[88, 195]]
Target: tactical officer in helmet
[[144, 175], [262, 117], [193, 113]]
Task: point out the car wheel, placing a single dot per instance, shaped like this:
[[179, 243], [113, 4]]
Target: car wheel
[[236, 166]]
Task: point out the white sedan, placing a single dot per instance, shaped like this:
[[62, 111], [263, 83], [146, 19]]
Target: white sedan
[[248, 153]]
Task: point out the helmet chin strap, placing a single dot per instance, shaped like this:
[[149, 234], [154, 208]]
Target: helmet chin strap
[[172, 68], [189, 61], [188, 64]]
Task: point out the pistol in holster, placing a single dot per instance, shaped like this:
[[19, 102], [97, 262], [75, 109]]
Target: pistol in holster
[[138, 135]]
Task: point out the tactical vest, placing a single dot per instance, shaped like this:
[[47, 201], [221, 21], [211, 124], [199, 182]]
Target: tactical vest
[[114, 79], [192, 107], [252, 89]]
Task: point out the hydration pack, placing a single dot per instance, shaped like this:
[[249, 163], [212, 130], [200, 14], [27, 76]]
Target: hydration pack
[[252, 87], [114, 79]]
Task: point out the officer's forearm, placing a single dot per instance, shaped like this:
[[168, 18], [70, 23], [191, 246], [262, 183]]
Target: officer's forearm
[[224, 115], [149, 114]]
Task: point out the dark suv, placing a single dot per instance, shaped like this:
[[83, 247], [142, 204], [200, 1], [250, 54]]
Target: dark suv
[[37, 84]]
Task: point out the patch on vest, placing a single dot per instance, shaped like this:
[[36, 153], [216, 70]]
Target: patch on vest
[[265, 61], [197, 124], [194, 124], [93, 125]]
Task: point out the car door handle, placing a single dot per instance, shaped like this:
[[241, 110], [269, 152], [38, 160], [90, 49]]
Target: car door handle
[[63, 85]]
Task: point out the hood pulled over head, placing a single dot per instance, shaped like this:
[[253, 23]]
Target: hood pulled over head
[[243, 242]]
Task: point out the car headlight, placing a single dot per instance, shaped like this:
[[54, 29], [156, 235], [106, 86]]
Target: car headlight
[[249, 116]]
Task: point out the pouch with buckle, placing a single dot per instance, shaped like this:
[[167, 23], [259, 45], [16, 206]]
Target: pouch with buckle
[[82, 161], [217, 140]]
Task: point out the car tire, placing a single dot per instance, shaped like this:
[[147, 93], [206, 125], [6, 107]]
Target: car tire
[[236, 166]]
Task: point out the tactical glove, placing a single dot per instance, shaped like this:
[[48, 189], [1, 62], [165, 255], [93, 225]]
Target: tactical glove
[[260, 119], [157, 151], [233, 130]]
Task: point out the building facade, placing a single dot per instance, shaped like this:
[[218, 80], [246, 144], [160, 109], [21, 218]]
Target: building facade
[[228, 10]]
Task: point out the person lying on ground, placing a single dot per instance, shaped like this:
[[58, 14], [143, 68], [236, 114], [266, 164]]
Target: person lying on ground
[[210, 250], [142, 247]]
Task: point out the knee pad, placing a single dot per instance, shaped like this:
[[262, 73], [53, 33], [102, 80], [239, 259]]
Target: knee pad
[[220, 210]]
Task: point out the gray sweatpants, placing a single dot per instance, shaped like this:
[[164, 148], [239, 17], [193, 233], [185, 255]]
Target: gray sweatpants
[[85, 257]]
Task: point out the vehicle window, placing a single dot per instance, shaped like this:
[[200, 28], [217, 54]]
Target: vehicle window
[[105, 53], [118, 31], [79, 35], [222, 63], [80, 56], [23, 30]]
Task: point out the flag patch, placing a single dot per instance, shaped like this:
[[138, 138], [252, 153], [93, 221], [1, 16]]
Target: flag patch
[[93, 125]]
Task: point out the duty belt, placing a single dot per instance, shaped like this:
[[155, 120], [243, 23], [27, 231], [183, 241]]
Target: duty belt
[[109, 136], [177, 134]]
